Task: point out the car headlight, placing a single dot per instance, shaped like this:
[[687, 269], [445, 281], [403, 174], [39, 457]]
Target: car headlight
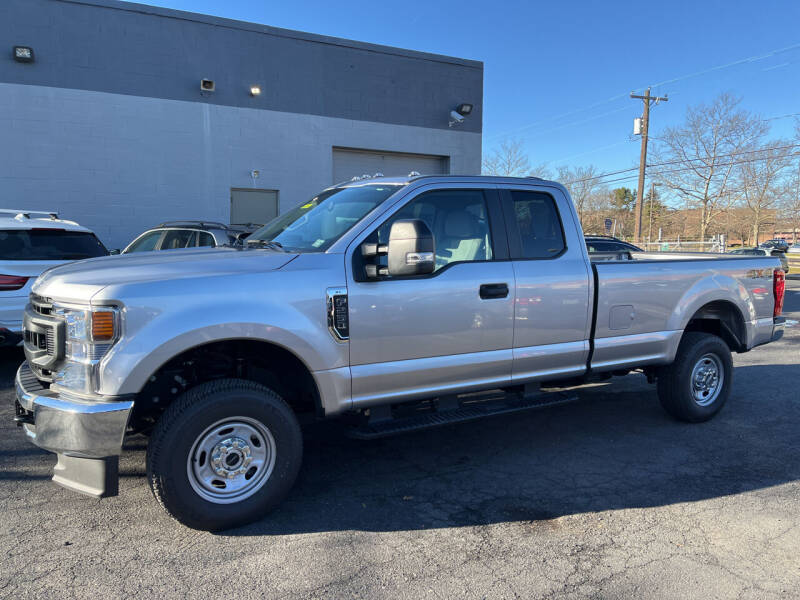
[[89, 335]]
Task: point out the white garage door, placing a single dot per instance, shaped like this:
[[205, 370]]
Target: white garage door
[[349, 163]]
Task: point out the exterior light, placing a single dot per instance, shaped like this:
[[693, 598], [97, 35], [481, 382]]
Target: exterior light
[[464, 109], [207, 85], [23, 54], [255, 90]]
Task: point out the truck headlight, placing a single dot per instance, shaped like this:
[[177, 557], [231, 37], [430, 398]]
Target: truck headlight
[[89, 335]]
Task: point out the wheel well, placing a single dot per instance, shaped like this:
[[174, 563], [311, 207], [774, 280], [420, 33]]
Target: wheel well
[[252, 360], [722, 319]]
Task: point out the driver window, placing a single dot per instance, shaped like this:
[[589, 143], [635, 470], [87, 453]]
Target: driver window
[[458, 220]]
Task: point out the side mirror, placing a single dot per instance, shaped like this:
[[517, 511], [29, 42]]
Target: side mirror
[[114, 252], [411, 249]]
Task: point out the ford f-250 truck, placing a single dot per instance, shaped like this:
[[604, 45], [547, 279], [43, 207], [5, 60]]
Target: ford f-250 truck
[[394, 303]]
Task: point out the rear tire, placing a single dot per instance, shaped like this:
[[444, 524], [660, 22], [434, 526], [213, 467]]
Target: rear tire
[[696, 386], [224, 454]]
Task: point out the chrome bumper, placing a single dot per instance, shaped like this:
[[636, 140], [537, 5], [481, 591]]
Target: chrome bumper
[[68, 426]]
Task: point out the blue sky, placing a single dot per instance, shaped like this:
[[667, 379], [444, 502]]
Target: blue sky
[[558, 74]]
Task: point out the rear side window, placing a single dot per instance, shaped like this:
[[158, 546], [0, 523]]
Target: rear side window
[[537, 224], [206, 239], [49, 244], [178, 238]]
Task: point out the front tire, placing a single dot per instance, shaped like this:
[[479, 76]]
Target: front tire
[[696, 386], [224, 454]]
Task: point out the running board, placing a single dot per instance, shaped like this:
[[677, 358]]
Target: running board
[[459, 410]]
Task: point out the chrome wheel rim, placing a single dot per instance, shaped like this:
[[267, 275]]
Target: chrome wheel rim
[[707, 379], [231, 460]]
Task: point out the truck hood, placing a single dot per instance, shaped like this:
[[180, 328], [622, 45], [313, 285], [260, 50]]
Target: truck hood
[[79, 281]]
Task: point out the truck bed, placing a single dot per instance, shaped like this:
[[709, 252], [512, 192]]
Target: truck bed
[[644, 303]]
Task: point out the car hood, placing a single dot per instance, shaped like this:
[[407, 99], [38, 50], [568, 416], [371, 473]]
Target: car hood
[[79, 281]]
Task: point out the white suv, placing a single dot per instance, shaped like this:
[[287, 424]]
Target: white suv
[[31, 242]]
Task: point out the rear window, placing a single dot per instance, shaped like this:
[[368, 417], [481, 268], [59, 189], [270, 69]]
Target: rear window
[[49, 244]]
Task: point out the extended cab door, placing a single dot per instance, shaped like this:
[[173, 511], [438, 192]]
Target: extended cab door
[[447, 331], [552, 313]]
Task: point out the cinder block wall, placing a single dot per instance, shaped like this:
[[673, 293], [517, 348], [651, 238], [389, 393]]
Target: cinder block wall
[[109, 127]]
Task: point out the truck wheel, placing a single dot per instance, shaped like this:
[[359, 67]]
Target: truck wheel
[[224, 454], [695, 387]]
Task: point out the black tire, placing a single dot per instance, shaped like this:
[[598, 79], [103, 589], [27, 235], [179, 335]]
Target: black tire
[[676, 389], [190, 419]]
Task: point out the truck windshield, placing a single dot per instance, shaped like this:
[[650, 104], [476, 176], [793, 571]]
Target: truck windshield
[[49, 244], [315, 225]]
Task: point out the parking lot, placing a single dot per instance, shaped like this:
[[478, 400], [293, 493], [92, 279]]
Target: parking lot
[[605, 497]]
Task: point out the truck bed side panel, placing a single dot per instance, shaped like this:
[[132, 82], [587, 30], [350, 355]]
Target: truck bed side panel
[[643, 306]]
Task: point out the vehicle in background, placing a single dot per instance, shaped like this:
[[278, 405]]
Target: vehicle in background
[[779, 254], [393, 303], [174, 235], [31, 242], [777, 244], [606, 247]]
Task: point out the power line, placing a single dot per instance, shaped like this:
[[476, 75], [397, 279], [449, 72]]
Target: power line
[[680, 161], [749, 59]]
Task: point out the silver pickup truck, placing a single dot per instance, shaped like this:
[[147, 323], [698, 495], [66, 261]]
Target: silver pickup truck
[[391, 304]]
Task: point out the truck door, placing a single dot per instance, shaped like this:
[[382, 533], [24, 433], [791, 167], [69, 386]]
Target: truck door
[[446, 331], [552, 312]]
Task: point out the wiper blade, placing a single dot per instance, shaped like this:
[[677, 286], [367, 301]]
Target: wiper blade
[[272, 244]]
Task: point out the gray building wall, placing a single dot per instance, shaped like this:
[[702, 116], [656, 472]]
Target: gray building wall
[[109, 126]]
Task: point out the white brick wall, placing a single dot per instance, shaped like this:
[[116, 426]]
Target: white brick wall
[[119, 164]]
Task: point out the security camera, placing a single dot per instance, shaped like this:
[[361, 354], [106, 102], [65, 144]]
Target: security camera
[[207, 85], [455, 118]]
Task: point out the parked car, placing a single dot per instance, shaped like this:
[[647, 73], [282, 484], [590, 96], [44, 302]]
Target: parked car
[[607, 243], [30, 243], [606, 247], [777, 243], [761, 251], [173, 235], [392, 303]]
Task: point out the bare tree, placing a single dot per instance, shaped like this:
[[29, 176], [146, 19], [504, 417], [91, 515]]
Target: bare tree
[[762, 182], [702, 154], [583, 184], [509, 160]]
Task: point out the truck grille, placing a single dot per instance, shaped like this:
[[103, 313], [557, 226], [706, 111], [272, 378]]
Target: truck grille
[[43, 341], [43, 337], [41, 305]]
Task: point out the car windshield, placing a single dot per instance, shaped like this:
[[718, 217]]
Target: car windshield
[[49, 244], [315, 225]]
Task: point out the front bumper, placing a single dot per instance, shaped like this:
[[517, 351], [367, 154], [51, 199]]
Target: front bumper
[[87, 436], [71, 426]]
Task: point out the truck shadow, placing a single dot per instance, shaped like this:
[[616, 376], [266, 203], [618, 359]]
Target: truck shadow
[[614, 449]]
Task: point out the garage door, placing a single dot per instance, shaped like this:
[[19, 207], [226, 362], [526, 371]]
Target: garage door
[[349, 163]]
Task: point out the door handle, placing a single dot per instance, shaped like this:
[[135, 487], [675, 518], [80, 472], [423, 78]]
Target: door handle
[[494, 290]]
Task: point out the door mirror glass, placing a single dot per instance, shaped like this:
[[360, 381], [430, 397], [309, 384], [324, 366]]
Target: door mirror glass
[[411, 248]]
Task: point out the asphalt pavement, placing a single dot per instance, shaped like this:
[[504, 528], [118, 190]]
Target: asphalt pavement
[[606, 497]]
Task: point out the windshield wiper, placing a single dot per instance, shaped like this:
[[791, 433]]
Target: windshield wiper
[[272, 244]]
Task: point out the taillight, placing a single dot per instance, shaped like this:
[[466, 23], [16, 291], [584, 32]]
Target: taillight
[[10, 283], [778, 289]]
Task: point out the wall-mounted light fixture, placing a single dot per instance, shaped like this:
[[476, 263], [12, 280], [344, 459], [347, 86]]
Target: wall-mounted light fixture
[[207, 85], [23, 54], [255, 90], [464, 109]]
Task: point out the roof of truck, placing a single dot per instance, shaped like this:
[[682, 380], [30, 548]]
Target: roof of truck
[[379, 178], [11, 218]]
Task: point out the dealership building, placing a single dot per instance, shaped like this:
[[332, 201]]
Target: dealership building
[[121, 116]]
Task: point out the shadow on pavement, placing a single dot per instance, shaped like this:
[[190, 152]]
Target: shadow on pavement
[[606, 452]]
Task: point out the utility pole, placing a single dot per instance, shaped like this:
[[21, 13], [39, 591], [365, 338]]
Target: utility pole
[[647, 99]]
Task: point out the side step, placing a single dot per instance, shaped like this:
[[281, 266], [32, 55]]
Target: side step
[[382, 423]]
